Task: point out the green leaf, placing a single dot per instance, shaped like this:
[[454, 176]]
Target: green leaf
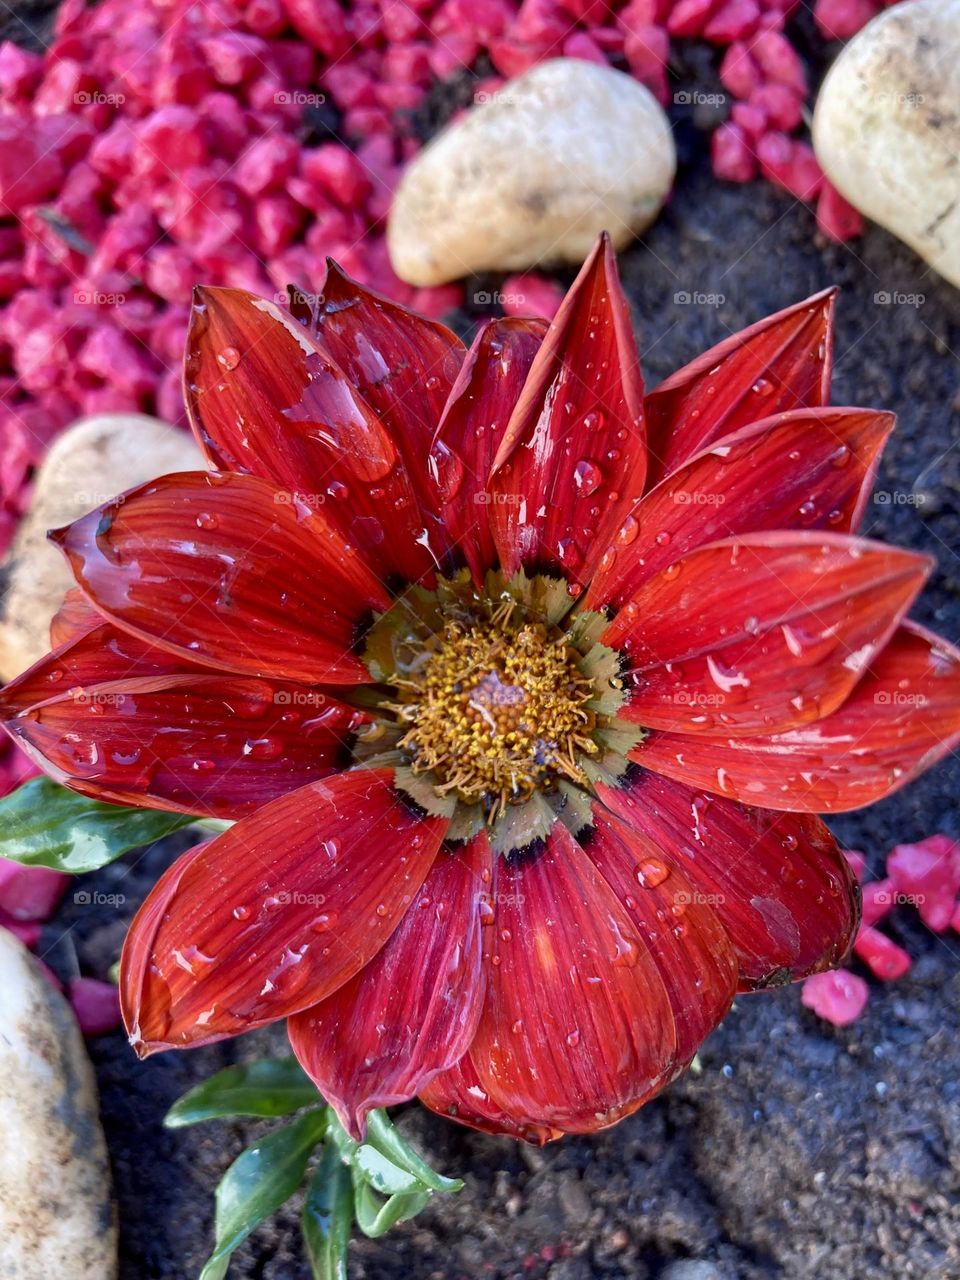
[[273, 1087], [384, 1137], [375, 1216], [257, 1184], [45, 825], [382, 1174], [328, 1217]]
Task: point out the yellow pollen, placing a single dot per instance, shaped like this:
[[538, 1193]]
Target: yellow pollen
[[498, 710]]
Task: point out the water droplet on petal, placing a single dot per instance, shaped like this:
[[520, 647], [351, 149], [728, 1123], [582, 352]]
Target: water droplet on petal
[[652, 872], [587, 476], [229, 357], [628, 531]]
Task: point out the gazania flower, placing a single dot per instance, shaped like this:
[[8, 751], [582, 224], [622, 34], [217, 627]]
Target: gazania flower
[[523, 688]]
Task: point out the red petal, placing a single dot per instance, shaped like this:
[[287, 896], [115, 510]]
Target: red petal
[[470, 432], [276, 914], [782, 362], [74, 618], [214, 568], [684, 937], [458, 1094], [412, 1012], [265, 398], [778, 883], [577, 1028], [761, 633], [120, 720], [403, 364], [809, 469], [901, 718], [573, 459]]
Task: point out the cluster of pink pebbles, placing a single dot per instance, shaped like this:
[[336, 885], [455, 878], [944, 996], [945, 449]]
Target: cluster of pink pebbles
[[160, 143], [923, 876], [28, 898]]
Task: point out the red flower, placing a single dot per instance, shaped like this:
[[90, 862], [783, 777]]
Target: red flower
[[492, 657]]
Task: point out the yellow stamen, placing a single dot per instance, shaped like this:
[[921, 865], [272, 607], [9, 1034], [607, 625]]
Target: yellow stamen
[[498, 710]]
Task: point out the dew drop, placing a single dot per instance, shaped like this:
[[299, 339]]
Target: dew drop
[[628, 531], [652, 872], [587, 476], [573, 1039], [841, 456], [207, 520], [229, 357]]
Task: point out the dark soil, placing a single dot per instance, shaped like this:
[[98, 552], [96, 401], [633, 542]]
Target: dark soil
[[798, 1150]]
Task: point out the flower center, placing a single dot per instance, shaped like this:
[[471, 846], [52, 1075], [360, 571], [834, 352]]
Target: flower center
[[499, 710], [495, 707]]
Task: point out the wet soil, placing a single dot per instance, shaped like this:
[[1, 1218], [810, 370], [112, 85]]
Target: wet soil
[[798, 1150]]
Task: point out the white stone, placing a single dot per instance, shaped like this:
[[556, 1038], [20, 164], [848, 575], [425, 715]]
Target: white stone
[[531, 176], [91, 462], [56, 1212], [886, 128]]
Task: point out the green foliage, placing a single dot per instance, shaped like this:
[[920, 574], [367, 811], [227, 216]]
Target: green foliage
[[45, 825], [273, 1087], [375, 1183]]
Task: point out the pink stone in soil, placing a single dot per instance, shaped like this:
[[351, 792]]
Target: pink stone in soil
[[837, 996], [96, 1004], [881, 954], [836, 217], [30, 893], [732, 154], [929, 872], [530, 295]]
